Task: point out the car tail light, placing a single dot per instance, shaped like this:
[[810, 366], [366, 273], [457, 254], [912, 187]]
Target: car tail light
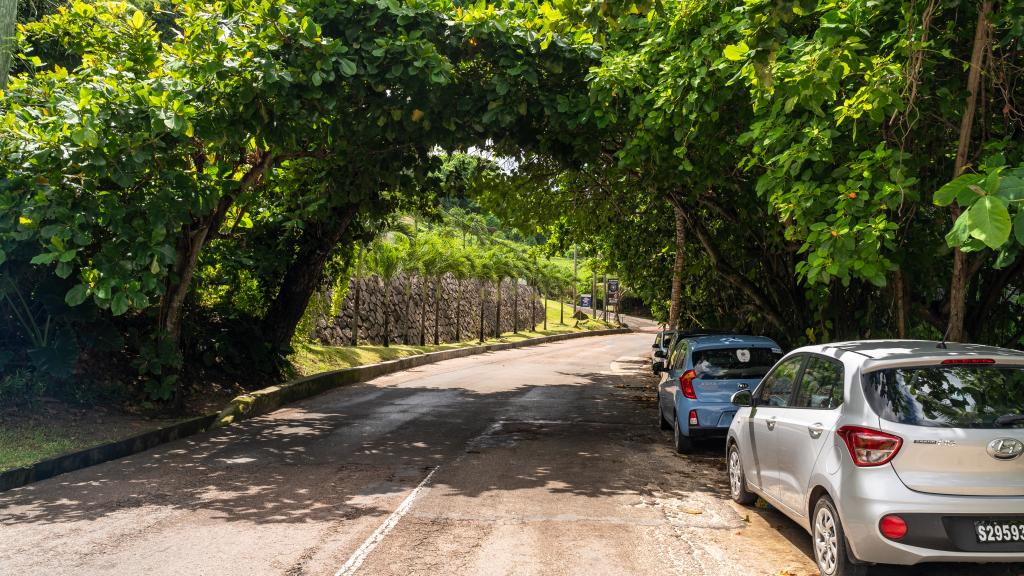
[[870, 447], [968, 361], [892, 527], [686, 384], [693, 418]]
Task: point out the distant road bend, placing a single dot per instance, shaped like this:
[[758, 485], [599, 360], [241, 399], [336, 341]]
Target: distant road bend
[[540, 460]]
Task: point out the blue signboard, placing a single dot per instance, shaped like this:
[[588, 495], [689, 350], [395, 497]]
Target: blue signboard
[[613, 291], [585, 301]]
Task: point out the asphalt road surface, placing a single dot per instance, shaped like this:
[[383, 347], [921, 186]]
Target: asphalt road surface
[[541, 460]]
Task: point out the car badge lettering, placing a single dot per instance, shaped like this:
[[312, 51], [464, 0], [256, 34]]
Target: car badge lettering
[[936, 442], [1005, 448]]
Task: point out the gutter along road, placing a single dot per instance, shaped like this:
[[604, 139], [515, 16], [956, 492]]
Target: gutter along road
[[540, 460]]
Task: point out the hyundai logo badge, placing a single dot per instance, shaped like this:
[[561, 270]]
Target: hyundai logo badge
[[1005, 448]]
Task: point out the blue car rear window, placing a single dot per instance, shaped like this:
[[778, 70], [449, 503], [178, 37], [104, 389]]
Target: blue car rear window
[[734, 363]]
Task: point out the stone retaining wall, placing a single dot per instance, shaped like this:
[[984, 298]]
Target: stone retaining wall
[[459, 307]]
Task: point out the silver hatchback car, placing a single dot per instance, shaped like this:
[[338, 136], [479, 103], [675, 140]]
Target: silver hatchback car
[[889, 452]]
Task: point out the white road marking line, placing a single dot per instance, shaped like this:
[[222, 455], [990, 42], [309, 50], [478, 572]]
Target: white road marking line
[[359, 556]]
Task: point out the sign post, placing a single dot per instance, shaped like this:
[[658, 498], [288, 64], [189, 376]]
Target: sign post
[[585, 300], [613, 292]]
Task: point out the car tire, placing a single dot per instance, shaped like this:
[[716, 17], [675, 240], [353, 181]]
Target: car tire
[[829, 542], [662, 421], [737, 479], [683, 444]]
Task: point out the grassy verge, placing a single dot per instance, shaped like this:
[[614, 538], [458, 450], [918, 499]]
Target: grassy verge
[[21, 445], [26, 440], [27, 437], [310, 358]]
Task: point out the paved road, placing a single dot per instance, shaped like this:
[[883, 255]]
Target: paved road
[[542, 460]]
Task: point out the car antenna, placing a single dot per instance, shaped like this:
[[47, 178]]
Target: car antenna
[[942, 344]]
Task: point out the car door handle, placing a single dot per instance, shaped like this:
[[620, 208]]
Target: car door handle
[[771, 423], [815, 430]]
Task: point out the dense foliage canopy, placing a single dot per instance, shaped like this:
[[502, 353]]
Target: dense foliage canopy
[[178, 180]]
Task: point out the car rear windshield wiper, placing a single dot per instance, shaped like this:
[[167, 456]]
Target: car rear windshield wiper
[[1008, 419]]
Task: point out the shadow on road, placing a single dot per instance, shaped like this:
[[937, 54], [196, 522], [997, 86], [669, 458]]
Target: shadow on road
[[354, 452], [325, 458]]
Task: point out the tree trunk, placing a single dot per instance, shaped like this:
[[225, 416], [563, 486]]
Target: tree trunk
[[738, 280], [191, 244], [356, 306], [958, 283], [901, 304], [545, 311], [575, 279], [423, 310], [533, 311], [515, 306], [604, 301], [408, 308], [387, 313], [497, 311], [437, 310], [677, 268], [458, 310], [483, 302], [593, 296], [8, 24], [303, 277]]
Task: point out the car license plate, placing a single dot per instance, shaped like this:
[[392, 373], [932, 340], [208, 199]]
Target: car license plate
[[989, 531]]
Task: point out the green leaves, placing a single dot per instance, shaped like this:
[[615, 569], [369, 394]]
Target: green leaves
[[989, 221], [76, 295], [960, 232], [736, 51], [119, 304], [347, 67], [45, 258], [958, 189], [85, 136], [138, 20], [988, 198], [1011, 188]]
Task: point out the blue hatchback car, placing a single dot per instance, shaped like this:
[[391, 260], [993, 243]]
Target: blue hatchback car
[[701, 374]]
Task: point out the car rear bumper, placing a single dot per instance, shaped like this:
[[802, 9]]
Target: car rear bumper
[[714, 419], [940, 528]]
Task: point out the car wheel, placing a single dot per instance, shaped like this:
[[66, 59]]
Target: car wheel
[[662, 421], [683, 444], [830, 542], [737, 480]]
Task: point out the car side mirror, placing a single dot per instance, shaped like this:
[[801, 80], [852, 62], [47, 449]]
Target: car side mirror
[[659, 353], [743, 398]]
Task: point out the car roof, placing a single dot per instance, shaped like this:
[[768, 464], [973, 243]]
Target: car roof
[[903, 350], [735, 340]]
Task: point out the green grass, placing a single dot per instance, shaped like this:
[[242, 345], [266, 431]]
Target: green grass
[[565, 263], [24, 444], [311, 358]]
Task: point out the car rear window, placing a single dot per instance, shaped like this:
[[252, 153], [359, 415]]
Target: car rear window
[[734, 363], [947, 396]]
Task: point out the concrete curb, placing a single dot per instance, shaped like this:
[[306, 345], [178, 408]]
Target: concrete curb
[[91, 456], [256, 404], [269, 399]]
